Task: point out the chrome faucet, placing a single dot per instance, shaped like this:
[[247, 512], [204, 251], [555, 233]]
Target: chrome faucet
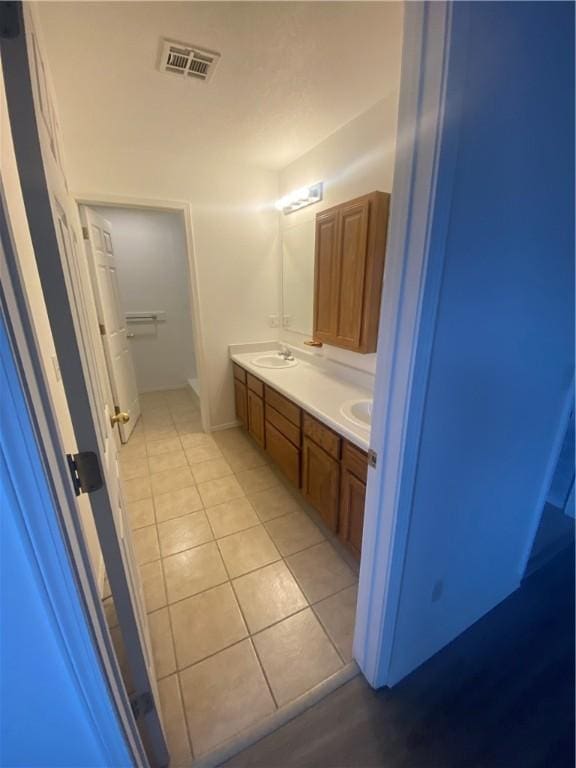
[[286, 354]]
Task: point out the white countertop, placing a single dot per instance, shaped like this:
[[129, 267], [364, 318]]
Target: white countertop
[[318, 391]]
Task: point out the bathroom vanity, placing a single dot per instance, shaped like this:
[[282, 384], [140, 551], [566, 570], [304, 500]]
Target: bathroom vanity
[[295, 414], [312, 416]]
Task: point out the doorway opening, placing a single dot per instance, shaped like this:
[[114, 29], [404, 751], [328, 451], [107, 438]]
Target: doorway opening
[[150, 292], [207, 561], [213, 570]]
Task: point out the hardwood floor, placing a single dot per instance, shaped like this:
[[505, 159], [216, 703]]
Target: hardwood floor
[[500, 696]]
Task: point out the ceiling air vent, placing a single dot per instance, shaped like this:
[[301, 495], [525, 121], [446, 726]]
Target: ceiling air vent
[[187, 60]]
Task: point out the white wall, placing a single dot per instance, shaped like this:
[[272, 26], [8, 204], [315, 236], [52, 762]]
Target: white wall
[[153, 273], [355, 160], [235, 240], [236, 230], [503, 354]]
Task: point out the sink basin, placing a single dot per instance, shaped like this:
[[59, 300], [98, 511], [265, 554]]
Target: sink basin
[[273, 361], [359, 412]]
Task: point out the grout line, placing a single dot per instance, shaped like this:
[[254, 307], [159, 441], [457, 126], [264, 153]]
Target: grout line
[[180, 670], [216, 540], [229, 748], [240, 576], [231, 580], [307, 607], [327, 635], [250, 634], [167, 607], [333, 642], [253, 644], [184, 715], [243, 530]]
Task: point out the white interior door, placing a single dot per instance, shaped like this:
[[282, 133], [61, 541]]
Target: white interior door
[[83, 303], [100, 251], [54, 228]]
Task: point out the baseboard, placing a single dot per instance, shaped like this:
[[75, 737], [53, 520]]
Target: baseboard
[[161, 388], [229, 425], [195, 385], [274, 721]]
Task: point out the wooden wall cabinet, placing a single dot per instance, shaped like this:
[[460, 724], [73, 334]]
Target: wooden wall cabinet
[[350, 252]]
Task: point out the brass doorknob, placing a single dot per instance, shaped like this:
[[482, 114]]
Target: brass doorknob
[[120, 418]]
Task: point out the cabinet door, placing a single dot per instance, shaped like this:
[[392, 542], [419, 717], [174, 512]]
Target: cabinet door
[[326, 276], [321, 482], [256, 417], [352, 255], [285, 454], [353, 495], [241, 401]]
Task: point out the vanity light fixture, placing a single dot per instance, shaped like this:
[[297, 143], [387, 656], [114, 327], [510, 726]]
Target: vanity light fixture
[[300, 198]]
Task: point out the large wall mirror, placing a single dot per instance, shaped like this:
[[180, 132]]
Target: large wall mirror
[[298, 276]]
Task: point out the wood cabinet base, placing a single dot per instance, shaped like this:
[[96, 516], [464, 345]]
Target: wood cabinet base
[[352, 497], [256, 417], [330, 472], [351, 523], [321, 482], [285, 454]]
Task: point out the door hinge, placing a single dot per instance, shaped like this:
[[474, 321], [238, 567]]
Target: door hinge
[[85, 234], [141, 704], [372, 458], [85, 471]]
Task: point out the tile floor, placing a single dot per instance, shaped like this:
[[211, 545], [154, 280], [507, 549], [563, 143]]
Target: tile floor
[[249, 604]]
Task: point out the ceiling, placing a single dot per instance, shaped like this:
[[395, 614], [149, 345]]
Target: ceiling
[[291, 73]]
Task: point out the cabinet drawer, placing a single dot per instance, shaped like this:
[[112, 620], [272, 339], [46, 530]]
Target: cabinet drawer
[[322, 436], [285, 454], [239, 373], [285, 427], [355, 460], [284, 406], [255, 384]]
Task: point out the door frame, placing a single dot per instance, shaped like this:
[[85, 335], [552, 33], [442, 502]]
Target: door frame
[[428, 132], [37, 202], [185, 210], [426, 150], [76, 605]]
